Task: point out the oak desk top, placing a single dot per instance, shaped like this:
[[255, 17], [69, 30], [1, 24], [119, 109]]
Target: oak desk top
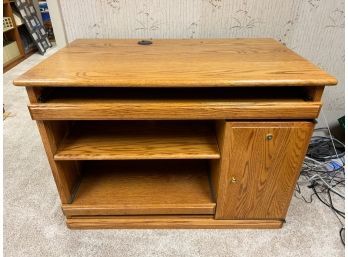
[[175, 63]]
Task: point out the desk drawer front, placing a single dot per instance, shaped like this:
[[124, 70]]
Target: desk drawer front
[[151, 111], [159, 103]]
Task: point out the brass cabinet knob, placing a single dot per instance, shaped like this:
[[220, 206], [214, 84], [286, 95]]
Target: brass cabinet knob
[[269, 137], [233, 180]]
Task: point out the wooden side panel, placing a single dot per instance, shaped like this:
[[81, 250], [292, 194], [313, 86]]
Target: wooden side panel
[[315, 93], [33, 94], [260, 164], [216, 165], [66, 174]]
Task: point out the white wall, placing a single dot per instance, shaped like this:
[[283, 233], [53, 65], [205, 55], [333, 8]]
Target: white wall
[[57, 23], [313, 28]]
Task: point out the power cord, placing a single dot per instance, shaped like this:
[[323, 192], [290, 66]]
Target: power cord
[[323, 171]]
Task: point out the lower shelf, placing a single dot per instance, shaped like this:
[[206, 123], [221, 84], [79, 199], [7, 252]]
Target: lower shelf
[[168, 221], [143, 187]]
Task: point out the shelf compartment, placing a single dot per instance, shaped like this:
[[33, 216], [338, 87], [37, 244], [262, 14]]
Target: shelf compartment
[[132, 140], [174, 103], [11, 52], [142, 188]]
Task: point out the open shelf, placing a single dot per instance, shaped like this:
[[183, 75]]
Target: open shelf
[[14, 59], [9, 29], [15, 34], [132, 140], [143, 187]]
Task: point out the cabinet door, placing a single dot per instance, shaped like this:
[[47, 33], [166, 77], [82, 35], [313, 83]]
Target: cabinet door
[[259, 167]]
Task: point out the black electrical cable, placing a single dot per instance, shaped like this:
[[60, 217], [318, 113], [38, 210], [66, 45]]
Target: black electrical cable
[[341, 213], [342, 230], [321, 151], [321, 148]]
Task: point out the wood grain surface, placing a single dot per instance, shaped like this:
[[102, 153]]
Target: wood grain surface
[[175, 109], [138, 140], [167, 221], [252, 178], [218, 167], [175, 63], [143, 187], [66, 174], [257, 175]]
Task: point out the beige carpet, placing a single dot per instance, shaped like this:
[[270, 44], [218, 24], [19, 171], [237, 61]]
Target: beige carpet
[[34, 224]]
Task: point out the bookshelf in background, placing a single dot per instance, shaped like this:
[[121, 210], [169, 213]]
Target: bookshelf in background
[[17, 44]]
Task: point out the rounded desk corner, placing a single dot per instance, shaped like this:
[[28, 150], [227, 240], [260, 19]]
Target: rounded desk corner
[[19, 82], [333, 81]]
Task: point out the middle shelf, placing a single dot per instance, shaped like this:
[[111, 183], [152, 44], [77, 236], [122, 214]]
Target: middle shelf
[[135, 140]]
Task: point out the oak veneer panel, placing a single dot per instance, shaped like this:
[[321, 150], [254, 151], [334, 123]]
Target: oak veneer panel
[[138, 140], [315, 93], [265, 171], [33, 94], [66, 174], [175, 109], [167, 221], [143, 187], [216, 166], [175, 63]]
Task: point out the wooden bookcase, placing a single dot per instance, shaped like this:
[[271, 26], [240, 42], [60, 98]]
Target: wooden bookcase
[[14, 35], [177, 134]]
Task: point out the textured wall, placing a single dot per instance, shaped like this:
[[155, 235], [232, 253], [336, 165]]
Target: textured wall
[[313, 28]]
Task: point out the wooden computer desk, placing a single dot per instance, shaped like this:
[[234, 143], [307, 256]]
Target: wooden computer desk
[[175, 134]]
